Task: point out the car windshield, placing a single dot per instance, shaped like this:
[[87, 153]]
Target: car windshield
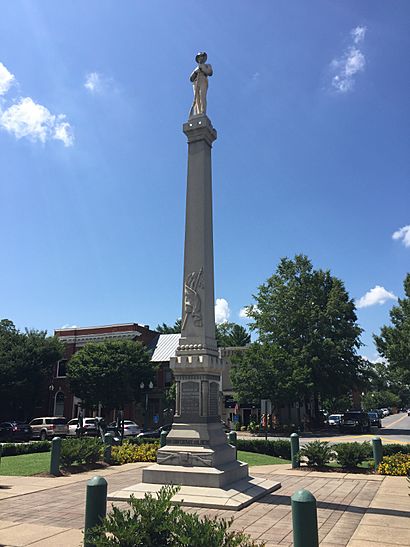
[[373, 415], [352, 415], [59, 421], [89, 421], [334, 417]]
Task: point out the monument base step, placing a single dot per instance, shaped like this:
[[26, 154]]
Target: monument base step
[[233, 497], [208, 477]]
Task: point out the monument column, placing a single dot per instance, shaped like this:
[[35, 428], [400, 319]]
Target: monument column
[[197, 455]]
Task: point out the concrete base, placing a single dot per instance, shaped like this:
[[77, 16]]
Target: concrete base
[[234, 496], [208, 477]]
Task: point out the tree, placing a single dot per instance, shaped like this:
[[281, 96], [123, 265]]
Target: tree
[[380, 399], [231, 335], [307, 337], [26, 365], [393, 343], [110, 373], [168, 329]]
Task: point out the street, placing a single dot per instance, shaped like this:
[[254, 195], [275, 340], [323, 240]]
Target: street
[[395, 429]]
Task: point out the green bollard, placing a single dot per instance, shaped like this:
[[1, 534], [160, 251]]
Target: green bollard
[[294, 450], [55, 456], [163, 439], [108, 442], [377, 451], [304, 519], [95, 505], [233, 439]]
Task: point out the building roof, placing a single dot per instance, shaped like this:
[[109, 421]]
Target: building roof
[[165, 348]]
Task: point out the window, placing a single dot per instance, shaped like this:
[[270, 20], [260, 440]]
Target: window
[[62, 368], [37, 421]]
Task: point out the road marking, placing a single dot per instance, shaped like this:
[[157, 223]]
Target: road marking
[[396, 422]]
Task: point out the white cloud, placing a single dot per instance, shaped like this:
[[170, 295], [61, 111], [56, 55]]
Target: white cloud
[[404, 234], [6, 79], [222, 311], [67, 326], [358, 34], [375, 359], [377, 295], [243, 312], [349, 64], [93, 82], [34, 121]]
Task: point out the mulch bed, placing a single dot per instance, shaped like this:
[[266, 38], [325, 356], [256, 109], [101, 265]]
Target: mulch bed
[[74, 470]]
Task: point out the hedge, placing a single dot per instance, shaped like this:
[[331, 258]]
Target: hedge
[[11, 449], [279, 448]]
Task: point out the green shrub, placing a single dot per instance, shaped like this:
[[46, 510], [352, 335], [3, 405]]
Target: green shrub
[[395, 448], [131, 453], [243, 428], [317, 453], [12, 449], [279, 448], [351, 454], [252, 427], [236, 426], [154, 521], [396, 465], [141, 440], [86, 450]]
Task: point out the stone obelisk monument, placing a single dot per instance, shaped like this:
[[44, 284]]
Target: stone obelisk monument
[[197, 455]]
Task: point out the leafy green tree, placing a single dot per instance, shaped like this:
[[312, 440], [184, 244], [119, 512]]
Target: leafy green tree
[[393, 343], [26, 366], [168, 329], [380, 399], [307, 337], [110, 373], [231, 335]]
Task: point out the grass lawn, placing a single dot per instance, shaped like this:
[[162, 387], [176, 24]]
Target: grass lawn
[[25, 464], [252, 458]]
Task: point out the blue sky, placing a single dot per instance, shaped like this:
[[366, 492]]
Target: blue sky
[[310, 100]]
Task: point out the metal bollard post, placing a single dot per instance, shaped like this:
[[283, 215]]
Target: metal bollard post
[[108, 441], [163, 439], [233, 439], [304, 519], [377, 451], [55, 456], [95, 505], [294, 450]]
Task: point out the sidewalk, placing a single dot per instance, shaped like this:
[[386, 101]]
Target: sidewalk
[[353, 510]]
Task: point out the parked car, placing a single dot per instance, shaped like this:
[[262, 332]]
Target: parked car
[[379, 411], [14, 431], [130, 428], [408, 412], [156, 433], [89, 427], [43, 428], [355, 420], [385, 411], [375, 419], [334, 420]]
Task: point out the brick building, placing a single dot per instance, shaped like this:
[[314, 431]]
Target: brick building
[[62, 402]]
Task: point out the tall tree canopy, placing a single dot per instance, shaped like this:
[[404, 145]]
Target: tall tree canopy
[[232, 335], [393, 343], [110, 373], [170, 329], [307, 337], [26, 366]]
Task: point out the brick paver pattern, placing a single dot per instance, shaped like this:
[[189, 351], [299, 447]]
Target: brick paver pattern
[[342, 502]]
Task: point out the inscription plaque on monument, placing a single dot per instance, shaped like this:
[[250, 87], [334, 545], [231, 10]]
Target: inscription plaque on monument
[[190, 398], [213, 399]]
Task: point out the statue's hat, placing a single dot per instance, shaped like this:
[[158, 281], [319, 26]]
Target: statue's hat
[[201, 54]]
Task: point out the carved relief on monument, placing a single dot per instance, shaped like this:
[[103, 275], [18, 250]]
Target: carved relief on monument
[[213, 398], [192, 299], [190, 398]]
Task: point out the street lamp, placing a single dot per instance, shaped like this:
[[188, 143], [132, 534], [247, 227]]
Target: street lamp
[[150, 386]]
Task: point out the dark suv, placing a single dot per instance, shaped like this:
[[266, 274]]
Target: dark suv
[[355, 420]]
